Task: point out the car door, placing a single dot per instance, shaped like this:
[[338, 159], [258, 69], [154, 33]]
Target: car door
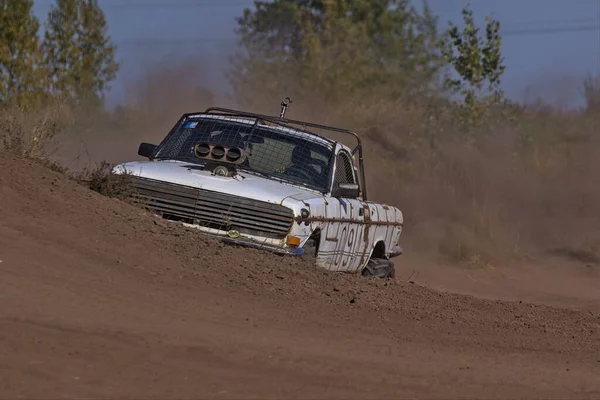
[[345, 245]]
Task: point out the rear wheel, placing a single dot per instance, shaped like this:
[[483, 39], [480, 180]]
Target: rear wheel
[[380, 268]]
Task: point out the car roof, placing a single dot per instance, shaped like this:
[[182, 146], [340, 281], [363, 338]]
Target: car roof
[[251, 121]]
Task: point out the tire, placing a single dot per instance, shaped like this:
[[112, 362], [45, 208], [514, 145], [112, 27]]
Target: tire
[[380, 268], [310, 251]]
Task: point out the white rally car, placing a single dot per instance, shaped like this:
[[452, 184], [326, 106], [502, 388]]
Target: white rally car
[[269, 182]]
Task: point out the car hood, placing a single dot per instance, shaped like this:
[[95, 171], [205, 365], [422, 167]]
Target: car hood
[[189, 174]]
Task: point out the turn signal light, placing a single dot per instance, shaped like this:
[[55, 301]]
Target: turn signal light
[[293, 241]]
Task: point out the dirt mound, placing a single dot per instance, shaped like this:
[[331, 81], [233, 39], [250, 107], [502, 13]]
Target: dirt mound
[[98, 298]]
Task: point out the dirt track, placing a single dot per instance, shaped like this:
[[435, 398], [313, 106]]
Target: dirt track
[[98, 299]]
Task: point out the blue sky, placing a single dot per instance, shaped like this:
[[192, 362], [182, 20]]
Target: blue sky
[[549, 45]]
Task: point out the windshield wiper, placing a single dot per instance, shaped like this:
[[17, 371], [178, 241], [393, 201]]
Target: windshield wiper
[[254, 172], [191, 159]]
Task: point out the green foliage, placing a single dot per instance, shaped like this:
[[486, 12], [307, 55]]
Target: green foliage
[[477, 64], [334, 47], [21, 77], [78, 51]]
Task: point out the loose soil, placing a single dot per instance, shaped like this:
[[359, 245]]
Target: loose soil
[[100, 299]]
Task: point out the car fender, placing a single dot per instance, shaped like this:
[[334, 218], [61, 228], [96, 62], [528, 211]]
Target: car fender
[[349, 228]]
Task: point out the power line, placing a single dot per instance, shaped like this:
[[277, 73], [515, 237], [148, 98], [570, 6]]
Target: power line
[[155, 5], [168, 4], [590, 23], [534, 31], [183, 41], [188, 41], [552, 22]]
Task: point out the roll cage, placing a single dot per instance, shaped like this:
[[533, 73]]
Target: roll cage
[[286, 123]]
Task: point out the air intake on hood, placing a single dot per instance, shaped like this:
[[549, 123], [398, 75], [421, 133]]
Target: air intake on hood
[[213, 209]]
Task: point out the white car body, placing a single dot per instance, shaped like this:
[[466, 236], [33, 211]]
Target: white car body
[[347, 232]]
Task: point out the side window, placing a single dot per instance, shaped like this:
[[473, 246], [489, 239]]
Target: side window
[[344, 171]]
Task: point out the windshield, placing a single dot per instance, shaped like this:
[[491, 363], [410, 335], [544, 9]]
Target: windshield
[[283, 154]]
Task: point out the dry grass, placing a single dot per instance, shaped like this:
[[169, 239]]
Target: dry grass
[[101, 180], [500, 193], [503, 192], [37, 135], [34, 134]]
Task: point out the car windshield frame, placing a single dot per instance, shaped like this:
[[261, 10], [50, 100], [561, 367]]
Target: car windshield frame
[[250, 134]]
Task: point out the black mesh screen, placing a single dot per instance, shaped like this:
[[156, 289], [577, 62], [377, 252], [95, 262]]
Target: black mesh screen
[[344, 169], [278, 152]]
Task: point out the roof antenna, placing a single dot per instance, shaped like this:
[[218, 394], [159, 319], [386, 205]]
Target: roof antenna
[[284, 105]]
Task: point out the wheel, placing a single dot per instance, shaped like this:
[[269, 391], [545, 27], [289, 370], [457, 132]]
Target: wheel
[[310, 251], [380, 268]]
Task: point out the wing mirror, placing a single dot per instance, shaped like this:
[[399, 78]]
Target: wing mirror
[[146, 149], [347, 190]]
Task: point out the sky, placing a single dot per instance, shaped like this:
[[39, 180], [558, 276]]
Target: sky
[[549, 45]]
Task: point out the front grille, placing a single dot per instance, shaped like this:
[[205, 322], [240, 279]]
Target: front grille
[[213, 209]]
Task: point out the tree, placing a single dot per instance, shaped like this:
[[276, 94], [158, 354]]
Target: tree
[[78, 51], [477, 64], [339, 45], [21, 75]]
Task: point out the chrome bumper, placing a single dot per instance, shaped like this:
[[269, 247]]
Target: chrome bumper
[[273, 249]]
